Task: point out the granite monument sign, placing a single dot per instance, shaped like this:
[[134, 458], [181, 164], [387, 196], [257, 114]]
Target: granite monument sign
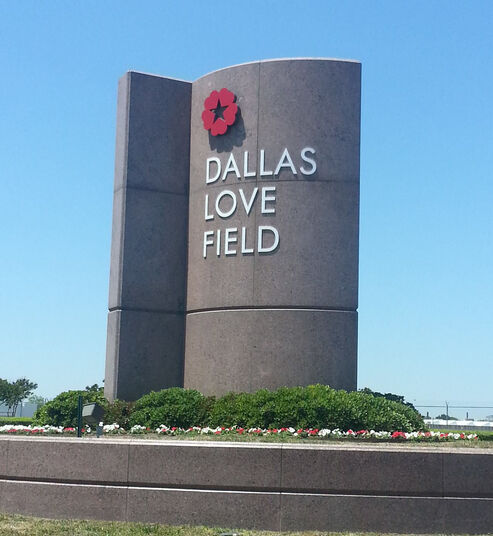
[[234, 257]]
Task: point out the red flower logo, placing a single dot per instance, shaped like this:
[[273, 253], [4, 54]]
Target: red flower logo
[[219, 111]]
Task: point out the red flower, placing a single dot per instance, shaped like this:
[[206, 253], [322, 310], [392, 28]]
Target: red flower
[[219, 111]]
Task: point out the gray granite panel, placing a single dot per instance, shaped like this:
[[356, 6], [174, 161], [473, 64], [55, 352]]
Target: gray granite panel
[[68, 460], [246, 350], [316, 263], [248, 510], [205, 465], [154, 114], [64, 501], [224, 280], [365, 471], [341, 513], [468, 474], [468, 516], [146, 353], [154, 251], [314, 103]]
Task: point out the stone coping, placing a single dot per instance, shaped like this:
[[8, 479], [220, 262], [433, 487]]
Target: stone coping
[[317, 444]]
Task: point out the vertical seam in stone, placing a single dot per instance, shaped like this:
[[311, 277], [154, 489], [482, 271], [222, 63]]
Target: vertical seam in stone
[[187, 248], [443, 521], [280, 489], [443, 473]]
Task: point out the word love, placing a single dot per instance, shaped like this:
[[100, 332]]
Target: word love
[[214, 169], [229, 202]]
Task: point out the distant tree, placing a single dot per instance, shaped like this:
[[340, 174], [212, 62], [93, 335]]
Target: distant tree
[[94, 388], [4, 390], [37, 400], [13, 393], [388, 396], [444, 417]]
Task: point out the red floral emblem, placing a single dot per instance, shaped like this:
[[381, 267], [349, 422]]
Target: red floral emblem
[[219, 111]]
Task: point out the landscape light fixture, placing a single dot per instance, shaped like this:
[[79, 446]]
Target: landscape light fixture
[[93, 413]]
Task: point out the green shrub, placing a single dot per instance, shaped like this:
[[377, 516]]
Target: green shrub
[[119, 412], [62, 410], [16, 420], [315, 406], [172, 407]]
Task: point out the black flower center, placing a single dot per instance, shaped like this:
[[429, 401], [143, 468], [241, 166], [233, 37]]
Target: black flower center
[[219, 111]]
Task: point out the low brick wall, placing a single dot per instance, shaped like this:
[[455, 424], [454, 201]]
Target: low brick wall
[[337, 487]]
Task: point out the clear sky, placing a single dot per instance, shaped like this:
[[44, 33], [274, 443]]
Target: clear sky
[[426, 242]]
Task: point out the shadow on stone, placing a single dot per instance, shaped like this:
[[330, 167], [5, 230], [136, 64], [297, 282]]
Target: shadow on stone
[[233, 138]]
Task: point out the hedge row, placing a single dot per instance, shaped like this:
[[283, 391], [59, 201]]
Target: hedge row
[[315, 406]]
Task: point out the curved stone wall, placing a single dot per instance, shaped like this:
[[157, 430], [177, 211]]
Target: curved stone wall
[[273, 229], [251, 485]]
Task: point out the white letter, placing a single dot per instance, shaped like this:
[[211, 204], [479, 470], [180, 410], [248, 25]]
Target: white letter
[[244, 249], [288, 163], [230, 240], [266, 198], [207, 242], [261, 230], [309, 161], [263, 173], [218, 245], [247, 173], [248, 206], [231, 166], [227, 214], [207, 215], [208, 178]]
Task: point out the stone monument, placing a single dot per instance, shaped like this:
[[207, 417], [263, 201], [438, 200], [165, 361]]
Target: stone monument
[[234, 258]]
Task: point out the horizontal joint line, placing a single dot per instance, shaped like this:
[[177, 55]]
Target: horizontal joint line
[[272, 308]]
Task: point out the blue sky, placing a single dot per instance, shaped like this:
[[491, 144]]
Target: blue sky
[[426, 255]]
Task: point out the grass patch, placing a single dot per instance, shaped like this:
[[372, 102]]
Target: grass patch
[[16, 420], [13, 525]]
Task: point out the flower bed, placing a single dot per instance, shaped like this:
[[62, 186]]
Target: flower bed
[[113, 429]]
